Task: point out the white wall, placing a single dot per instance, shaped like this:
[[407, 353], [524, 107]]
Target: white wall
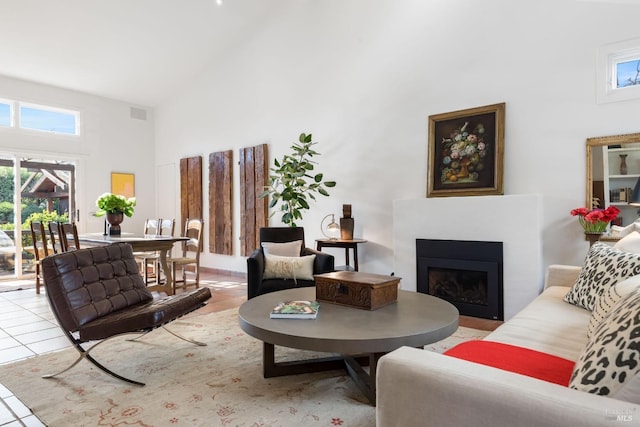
[[110, 141], [364, 76], [516, 221]]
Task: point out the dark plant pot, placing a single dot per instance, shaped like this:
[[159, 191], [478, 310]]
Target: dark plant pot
[[592, 237], [114, 220]]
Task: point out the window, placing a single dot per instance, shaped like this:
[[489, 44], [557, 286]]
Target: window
[[46, 119], [5, 113], [618, 73], [41, 118], [627, 73]]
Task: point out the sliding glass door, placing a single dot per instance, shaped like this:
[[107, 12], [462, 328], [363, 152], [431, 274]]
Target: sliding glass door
[[31, 189]]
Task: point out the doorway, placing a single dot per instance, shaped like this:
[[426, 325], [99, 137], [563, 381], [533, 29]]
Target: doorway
[[31, 189]]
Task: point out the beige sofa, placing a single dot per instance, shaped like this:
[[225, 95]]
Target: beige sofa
[[418, 387]]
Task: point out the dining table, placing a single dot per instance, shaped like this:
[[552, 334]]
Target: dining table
[[141, 243]]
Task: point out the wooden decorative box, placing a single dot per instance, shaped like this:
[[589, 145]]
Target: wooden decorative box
[[355, 289]]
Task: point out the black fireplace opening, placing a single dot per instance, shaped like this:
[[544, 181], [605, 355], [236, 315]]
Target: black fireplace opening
[[468, 274]]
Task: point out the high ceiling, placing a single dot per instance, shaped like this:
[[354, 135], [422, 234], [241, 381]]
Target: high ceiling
[[139, 51]]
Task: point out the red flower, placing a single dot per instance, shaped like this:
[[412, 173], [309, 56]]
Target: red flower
[[595, 220], [611, 213], [595, 216], [336, 421], [579, 212]]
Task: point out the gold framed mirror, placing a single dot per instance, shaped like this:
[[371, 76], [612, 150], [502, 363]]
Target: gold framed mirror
[[613, 168]]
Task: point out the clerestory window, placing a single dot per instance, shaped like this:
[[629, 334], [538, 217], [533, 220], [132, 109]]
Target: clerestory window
[[41, 118], [46, 119]]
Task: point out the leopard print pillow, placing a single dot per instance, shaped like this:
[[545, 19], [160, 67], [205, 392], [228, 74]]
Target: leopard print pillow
[[611, 357], [604, 266]]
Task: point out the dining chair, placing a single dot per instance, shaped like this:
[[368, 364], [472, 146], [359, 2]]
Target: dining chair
[[190, 255], [149, 258], [40, 249], [69, 236], [152, 227], [167, 227], [55, 236]]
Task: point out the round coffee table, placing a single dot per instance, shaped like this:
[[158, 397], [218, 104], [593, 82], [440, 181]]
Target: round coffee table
[[360, 336]]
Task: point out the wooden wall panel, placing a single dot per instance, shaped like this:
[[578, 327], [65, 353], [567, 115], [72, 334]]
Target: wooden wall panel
[[221, 202], [190, 189], [261, 180], [253, 211]]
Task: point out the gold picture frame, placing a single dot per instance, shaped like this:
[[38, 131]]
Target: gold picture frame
[[123, 184], [466, 152]]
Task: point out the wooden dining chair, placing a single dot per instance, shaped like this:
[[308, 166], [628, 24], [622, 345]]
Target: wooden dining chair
[[152, 227], [40, 249], [189, 262], [69, 236], [167, 227], [57, 245]]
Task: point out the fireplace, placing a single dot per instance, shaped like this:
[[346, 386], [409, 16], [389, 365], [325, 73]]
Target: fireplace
[[468, 274]]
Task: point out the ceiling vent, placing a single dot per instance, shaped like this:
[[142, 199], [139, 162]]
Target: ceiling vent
[[138, 113]]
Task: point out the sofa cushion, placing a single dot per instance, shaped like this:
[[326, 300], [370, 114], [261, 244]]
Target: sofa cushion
[[282, 249], [611, 358], [519, 360], [280, 267], [629, 243], [144, 316], [609, 298], [604, 266], [547, 324]]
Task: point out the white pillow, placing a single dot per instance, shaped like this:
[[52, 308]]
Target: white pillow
[[280, 267], [293, 248], [629, 243], [609, 298]]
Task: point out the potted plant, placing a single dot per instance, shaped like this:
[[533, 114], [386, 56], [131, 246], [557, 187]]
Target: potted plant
[[594, 222], [115, 207], [292, 183]]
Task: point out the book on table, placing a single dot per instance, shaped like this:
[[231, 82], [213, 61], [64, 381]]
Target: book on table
[[295, 310]]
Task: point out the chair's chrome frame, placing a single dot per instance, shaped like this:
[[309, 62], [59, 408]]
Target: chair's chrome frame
[[84, 353]]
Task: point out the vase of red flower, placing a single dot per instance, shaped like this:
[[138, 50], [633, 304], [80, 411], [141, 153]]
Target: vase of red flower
[[594, 222]]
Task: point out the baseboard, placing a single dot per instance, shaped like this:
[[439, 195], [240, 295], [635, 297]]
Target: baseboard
[[479, 323]]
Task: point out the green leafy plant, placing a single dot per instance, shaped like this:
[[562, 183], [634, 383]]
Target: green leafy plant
[[115, 203], [45, 217], [292, 183]]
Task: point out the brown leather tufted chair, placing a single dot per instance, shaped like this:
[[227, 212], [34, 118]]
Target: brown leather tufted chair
[[98, 293]]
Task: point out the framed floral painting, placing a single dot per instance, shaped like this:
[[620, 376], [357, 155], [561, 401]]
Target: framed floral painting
[[466, 152]]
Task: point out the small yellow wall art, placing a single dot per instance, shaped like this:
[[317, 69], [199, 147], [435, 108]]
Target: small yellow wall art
[[123, 184]]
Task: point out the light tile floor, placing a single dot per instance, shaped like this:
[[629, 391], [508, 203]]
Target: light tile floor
[[28, 328]]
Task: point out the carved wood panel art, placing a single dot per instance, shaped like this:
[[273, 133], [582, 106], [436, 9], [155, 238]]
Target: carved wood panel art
[[190, 189], [220, 202], [254, 212]]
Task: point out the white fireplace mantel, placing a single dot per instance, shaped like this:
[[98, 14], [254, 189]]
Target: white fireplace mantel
[[514, 220]]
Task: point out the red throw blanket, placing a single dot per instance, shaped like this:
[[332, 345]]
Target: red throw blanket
[[515, 359]]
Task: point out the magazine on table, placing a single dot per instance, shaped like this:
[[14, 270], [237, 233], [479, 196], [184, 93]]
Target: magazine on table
[[295, 310]]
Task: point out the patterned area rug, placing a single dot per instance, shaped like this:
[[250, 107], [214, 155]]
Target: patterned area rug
[[217, 385]]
